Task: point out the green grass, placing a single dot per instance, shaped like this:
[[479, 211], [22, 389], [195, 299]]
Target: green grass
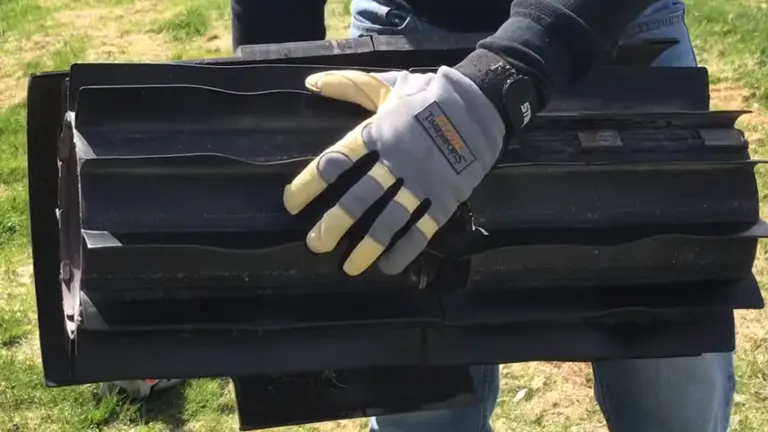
[[187, 25], [18, 17], [70, 51], [70, 409], [731, 38], [733, 34], [12, 136], [14, 224]]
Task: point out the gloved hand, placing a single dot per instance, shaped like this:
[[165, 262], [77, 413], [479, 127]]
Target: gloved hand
[[437, 132]]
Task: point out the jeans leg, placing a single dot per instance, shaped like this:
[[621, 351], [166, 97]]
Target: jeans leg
[[692, 394], [664, 19], [470, 418]]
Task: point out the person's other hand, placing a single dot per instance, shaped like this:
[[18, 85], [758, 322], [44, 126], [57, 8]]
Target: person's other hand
[[435, 136]]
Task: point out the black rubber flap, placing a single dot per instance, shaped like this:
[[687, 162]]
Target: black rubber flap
[[607, 229], [622, 224], [409, 51], [180, 187], [606, 89], [630, 195], [306, 398]]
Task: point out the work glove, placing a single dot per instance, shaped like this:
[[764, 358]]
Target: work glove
[[436, 132]]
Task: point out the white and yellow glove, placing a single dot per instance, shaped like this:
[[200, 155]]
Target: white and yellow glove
[[437, 132]]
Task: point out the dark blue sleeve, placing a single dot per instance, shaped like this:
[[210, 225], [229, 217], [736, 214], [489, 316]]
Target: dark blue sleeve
[[560, 40], [553, 42], [277, 21]]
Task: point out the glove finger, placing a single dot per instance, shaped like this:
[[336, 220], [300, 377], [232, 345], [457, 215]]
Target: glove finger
[[391, 220], [324, 170], [395, 216], [390, 77], [413, 242], [353, 86], [403, 252], [405, 83], [325, 235]]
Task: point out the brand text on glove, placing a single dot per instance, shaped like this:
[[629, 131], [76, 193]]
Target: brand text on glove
[[446, 137]]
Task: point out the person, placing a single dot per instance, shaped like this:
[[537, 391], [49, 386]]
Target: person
[[256, 22], [431, 139]]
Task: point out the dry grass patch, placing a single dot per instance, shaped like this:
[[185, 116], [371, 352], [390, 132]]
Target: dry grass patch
[[731, 96], [337, 19], [102, 31], [546, 396], [15, 54], [119, 32]]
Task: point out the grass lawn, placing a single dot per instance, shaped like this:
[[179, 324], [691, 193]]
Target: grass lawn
[[731, 39]]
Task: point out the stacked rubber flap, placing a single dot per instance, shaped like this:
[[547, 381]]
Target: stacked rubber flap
[[171, 194], [622, 223]]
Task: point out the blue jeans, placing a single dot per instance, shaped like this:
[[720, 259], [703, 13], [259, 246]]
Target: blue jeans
[[691, 394]]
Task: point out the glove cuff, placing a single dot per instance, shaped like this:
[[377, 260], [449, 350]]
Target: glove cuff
[[515, 97]]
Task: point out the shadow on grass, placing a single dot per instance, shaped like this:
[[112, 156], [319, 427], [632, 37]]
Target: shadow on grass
[[166, 407], [192, 400]]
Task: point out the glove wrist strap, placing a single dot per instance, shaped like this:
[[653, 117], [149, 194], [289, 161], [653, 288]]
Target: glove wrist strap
[[514, 96]]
